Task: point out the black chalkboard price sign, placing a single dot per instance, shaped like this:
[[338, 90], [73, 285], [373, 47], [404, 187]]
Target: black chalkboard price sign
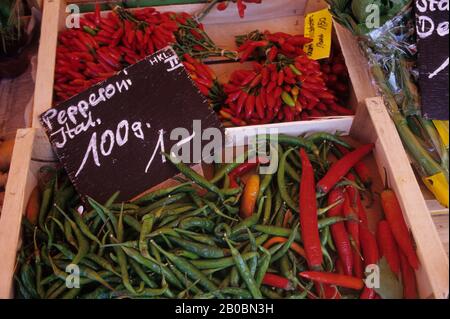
[[110, 137], [432, 22]]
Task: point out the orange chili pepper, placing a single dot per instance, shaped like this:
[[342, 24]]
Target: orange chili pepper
[[250, 195]]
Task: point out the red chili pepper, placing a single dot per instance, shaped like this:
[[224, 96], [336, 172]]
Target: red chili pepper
[[362, 214], [308, 214], [241, 8], [280, 80], [276, 281], [339, 169], [250, 106], [352, 225], [408, 279], [339, 233], [340, 109], [363, 171], [394, 216], [248, 79], [273, 53], [240, 103], [222, 6], [98, 18], [334, 279], [388, 246], [265, 76], [369, 247], [260, 107]]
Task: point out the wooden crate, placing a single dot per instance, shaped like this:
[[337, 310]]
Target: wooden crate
[[371, 124], [364, 88], [283, 15]]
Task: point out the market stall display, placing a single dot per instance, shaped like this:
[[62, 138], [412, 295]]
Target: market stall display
[[181, 210], [213, 245]]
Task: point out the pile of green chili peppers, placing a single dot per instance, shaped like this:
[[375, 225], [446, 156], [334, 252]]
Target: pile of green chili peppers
[[174, 243]]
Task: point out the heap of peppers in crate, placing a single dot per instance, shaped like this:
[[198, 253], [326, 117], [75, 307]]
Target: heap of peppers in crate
[[284, 84], [301, 231], [106, 44]]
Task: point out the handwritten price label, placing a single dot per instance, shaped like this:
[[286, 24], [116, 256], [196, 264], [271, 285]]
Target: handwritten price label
[[111, 137], [319, 27]]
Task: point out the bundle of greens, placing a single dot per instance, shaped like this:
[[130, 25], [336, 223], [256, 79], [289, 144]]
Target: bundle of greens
[[387, 37]]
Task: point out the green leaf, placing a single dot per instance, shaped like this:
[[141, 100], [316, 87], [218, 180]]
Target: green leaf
[[390, 286]]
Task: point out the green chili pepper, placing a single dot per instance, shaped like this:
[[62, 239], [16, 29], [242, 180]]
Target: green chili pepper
[[263, 265], [132, 222], [27, 277], [147, 225], [287, 99], [83, 227], [268, 293], [286, 245], [282, 183], [247, 223], [194, 176], [83, 244], [145, 293], [187, 268], [201, 250], [323, 136], [234, 276], [253, 262], [235, 293], [197, 222], [183, 278], [294, 69], [155, 195], [221, 263], [217, 211], [161, 203], [293, 142], [267, 206], [201, 238], [244, 272], [102, 262], [68, 231], [47, 195], [329, 221]]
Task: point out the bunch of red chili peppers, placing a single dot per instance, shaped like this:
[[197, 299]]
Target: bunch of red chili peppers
[[336, 77], [206, 80], [240, 5], [284, 85], [108, 43]]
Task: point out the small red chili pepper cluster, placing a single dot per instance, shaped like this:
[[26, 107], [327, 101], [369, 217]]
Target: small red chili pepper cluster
[[206, 80], [336, 77], [284, 84], [107, 44], [240, 5]]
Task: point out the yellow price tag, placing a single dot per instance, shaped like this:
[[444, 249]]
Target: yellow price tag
[[319, 27], [438, 185], [442, 127]]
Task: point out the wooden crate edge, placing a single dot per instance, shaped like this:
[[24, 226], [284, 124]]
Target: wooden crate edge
[[434, 261], [16, 197]]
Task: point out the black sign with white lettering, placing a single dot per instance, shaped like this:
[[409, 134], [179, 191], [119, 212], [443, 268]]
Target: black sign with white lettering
[[111, 137], [432, 24]]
